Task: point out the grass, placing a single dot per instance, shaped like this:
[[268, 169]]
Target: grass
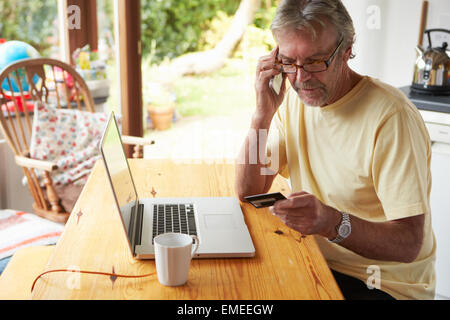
[[220, 93]]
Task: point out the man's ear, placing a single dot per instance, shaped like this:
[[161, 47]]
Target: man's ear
[[347, 54]]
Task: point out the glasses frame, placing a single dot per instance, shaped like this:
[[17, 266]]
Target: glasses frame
[[327, 62]]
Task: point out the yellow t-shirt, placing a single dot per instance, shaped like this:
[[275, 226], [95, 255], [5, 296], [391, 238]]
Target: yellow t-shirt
[[368, 154]]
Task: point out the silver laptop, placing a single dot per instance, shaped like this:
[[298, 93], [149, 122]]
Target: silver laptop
[[217, 222]]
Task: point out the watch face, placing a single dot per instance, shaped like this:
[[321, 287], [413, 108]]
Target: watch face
[[344, 230]]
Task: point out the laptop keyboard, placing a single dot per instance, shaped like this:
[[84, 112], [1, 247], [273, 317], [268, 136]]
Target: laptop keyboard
[[173, 218]]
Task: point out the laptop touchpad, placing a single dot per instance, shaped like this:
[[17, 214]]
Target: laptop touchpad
[[219, 221]]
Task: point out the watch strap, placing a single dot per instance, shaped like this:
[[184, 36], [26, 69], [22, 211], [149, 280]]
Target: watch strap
[[344, 220]]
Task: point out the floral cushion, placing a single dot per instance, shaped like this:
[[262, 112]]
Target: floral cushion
[[70, 139]]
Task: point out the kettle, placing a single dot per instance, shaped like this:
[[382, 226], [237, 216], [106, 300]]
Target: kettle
[[432, 68]]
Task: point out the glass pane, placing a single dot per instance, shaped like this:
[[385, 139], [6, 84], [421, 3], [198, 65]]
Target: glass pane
[[289, 68], [98, 67], [34, 22], [211, 106], [107, 55]]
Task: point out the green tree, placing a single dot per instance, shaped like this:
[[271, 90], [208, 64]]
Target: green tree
[[29, 21], [212, 60], [173, 27]]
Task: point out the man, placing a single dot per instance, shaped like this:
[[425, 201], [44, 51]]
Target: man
[[355, 150]]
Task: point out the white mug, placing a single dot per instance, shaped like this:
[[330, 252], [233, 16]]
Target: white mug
[[173, 254]]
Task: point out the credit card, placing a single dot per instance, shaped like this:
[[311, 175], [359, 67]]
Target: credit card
[[264, 200]]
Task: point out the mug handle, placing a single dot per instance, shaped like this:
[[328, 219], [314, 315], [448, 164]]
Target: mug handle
[[194, 245]]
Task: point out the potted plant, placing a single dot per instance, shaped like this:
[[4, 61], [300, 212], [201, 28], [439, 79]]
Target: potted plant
[[160, 108]]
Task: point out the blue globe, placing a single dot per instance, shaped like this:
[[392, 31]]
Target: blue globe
[[12, 51]]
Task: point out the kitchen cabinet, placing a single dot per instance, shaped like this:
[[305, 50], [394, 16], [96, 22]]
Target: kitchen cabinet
[[440, 215]]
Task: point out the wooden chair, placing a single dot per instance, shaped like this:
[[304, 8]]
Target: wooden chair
[[43, 79]]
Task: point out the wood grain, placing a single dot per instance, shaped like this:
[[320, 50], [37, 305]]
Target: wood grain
[[25, 265], [35, 163], [423, 21], [286, 265]]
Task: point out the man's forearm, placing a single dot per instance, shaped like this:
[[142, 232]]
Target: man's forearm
[[397, 240], [249, 166]]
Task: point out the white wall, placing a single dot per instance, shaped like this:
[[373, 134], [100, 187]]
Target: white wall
[[13, 195], [387, 32]]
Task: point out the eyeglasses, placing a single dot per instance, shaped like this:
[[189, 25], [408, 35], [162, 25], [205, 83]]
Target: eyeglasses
[[317, 66]]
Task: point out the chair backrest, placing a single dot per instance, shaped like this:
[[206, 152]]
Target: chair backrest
[[27, 81]]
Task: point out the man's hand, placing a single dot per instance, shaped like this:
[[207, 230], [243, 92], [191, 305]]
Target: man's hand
[[395, 240], [305, 213], [249, 179], [267, 101]]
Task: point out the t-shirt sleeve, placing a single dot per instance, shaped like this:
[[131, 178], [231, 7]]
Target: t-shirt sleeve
[[276, 145], [401, 165]]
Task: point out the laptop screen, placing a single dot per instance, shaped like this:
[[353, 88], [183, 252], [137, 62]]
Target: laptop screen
[[119, 173]]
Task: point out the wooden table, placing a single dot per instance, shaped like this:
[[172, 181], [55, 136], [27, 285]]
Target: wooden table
[[286, 265]]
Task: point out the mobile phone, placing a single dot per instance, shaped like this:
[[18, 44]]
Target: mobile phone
[[264, 200], [276, 82]]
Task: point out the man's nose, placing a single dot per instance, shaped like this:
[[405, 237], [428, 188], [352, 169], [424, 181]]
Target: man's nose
[[302, 75]]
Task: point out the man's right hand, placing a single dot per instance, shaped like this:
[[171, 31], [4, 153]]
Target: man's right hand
[[267, 101]]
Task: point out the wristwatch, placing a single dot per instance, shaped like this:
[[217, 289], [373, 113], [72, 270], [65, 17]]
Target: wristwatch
[[343, 229]]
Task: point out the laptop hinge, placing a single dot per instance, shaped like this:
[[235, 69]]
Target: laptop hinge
[[138, 225]]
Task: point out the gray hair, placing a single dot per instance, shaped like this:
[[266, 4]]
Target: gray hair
[[300, 15]]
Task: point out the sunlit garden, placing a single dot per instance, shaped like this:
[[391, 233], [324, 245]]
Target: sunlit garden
[[170, 29], [198, 60]]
